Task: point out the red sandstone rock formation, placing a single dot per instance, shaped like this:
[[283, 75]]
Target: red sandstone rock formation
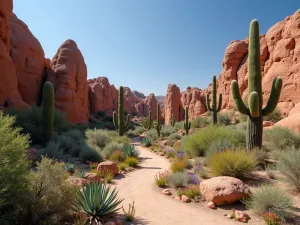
[[149, 102], [68, 74], [173, 107]]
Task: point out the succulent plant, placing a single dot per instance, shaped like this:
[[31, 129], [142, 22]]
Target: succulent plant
[[119, 122], [255, 112], [213, 108], [157, 124], [131, 151], [147, 142], [186, 124], [69, 167]]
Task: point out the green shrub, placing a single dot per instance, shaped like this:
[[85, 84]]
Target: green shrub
[[99, 138], [288, 165], [224, 118], [198, 143], [199, 122], [131, 162], [271, 199], [123, 166], [136, 132], [161, 179], [219, 145], [152, 134], [14, 168], [190, 191], [275, 116], [178, 125], [109, 148], [281, 138], [50, 197], [52, 150], [178, 165], [90, 154], [260, 155], [118, 139], [117, 156], [131, 151], [166, 130], [147, 142], [238, 163], [178, 179], [173, 138]]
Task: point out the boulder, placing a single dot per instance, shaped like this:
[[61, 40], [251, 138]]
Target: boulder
[[185, 199], [223, 190], [110, 166], [166, 192], [77, 181]]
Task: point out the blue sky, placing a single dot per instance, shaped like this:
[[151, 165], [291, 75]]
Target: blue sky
[[148, 44]]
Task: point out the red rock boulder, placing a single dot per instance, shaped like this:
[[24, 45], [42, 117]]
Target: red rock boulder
[[110, 166]]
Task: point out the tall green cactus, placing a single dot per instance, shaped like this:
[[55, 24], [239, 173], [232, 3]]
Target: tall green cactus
[[148, 122], [119, 122], [157, 124], [254, 110], [214, 108], [173, 121], [186, 124], [47, 112]]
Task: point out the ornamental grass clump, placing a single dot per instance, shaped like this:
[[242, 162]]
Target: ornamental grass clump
[[161, 179]]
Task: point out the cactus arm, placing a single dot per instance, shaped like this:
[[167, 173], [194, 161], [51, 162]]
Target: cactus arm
[[274, 97], [237, 98], [208, 103], [189, 125], [220, 103], [115, 120], [253, 102], [127, 123]]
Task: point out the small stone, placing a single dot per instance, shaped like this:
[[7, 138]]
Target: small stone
[[185, 199], [240, 216], [177, 198], [166, 192], [229, 216], [211, 205], [225, 214]]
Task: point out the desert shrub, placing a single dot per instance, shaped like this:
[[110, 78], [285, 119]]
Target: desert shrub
[[52, 150], [131, 161], [152, 134], [178, 179], [281, 137], [123, 166], [161, 179], [275, 116], [271, 219], [260, 154], [270, 171], [89, 154], [173, 138], [118, 139], [178, 165], [271, 199], [238, 163], [30, 120], [14, 168], [219, 145], [190, 191], [166, 130], [51, 197], [180, 155], [147, 142], [193, 179], [136, 132], [129, 215], [288, 165], [109, 148], [131, 151], [199, 122], [117, 156], [224, 118], [198, 143], [178, 125], [170, 153], [98, 138]]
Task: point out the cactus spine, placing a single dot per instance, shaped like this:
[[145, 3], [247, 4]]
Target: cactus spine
[[119, 122], [254, 110], [186, 124], [47, 112], [173, 121], [157, 125], [148, 123], [214, 108]]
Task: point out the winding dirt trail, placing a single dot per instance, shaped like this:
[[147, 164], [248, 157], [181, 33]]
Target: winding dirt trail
[[154, 208]]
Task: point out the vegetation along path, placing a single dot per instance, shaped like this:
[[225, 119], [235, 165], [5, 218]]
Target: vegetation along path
[[154, 208]]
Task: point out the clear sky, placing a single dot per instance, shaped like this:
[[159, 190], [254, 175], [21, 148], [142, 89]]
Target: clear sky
[[148, 44]]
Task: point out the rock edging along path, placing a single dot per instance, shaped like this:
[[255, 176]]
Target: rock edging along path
[[154, 208]]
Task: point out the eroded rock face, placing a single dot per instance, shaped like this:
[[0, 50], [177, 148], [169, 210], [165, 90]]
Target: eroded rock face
[[194, 99], [68, 74], [173, 106], [28, 58], [142, 107]]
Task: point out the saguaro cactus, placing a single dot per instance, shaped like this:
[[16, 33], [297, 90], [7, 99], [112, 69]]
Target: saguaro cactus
[[254, 110], [119, 122], [157, 125], [47, 112], [214, 108], [186, 124], [173, 121], [148, 122]]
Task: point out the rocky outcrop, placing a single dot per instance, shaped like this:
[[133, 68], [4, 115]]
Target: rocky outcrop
[[195, 101], [173, 107], [139, 94], [28, 58], [68, 74], [149, 102]]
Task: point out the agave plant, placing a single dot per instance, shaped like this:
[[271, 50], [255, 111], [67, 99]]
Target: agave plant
[[96, 200], [81, 173], [131, 151], [147, 142], [70, 167]]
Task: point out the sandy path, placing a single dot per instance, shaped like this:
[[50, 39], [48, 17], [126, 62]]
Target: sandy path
[[154, 208]]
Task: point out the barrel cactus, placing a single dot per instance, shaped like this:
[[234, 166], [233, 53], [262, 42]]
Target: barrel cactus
[[214, 109], [47, 112], [119, 122], [254, 111], [186, 124]]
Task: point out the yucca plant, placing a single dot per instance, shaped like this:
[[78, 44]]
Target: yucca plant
[[147, 142], [97, 199], [131, 151], [70, 167]]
